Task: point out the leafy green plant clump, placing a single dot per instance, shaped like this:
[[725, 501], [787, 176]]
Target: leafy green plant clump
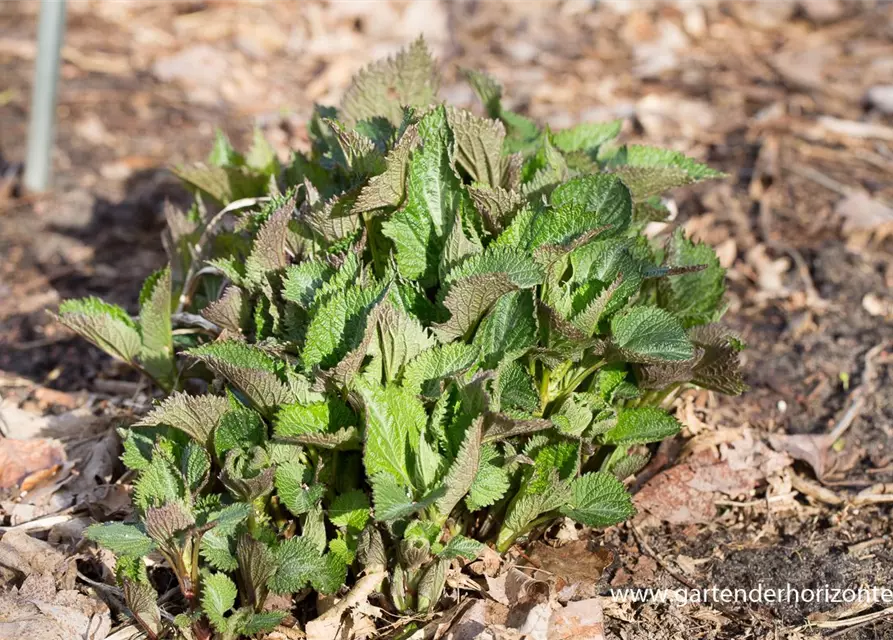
[[433, 331]]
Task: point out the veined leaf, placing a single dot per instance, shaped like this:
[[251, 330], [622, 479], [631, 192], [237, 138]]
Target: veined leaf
[[295, 489], [588, 136], [394, 418], [599, 500], [478, 146], [218, 597], [650, 171], [383, 88], [388, 188], [461, 547], [123, 539], [648, 334], [641, 425], [157, 351], [196, 416], [249, 369], [475, 286], [338, 325], [229, 312], [423, 372], [106, 325], [433, 196], [591, 202], [350, 510], [319, 417], [695, 298], [461, 474]]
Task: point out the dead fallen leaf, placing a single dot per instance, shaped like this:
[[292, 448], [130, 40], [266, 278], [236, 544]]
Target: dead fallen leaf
[[576, 567], [686, 493], [25, 464], [861, 212], [811, 449], [580, 620], [38, 610], [30, 556]]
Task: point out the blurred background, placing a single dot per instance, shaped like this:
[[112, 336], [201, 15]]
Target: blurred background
[[793, 99]]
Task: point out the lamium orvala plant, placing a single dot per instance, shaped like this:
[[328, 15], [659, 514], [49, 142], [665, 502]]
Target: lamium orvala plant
[[431, 332]]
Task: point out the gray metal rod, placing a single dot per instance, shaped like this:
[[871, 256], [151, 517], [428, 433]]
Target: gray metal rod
[[41, 129]]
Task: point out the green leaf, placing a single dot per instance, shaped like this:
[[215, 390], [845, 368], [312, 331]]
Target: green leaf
[[106, 325], [433, 196], [293, 484], [423, 373], [195, 465], [319, 417], [159, 484], [196, 416], [222, 153], [461, 547], [298, 561], [393, 501], [389, 188], [588, 136], [649, 171], [218, 597], [268, 250], [599, 500], [399, 338], [218, 549], [123, 539], [491, 482], [603, 200], [475, 286], [648, 334], [487, 89], [695, 298], [641, 425], [141, 599], [384, 87], [303, 281], [261, 156], [238, 429], [394, 418], [350, 510], [338, 325], [461, 474], [478, 146], [263, 622], [509, 328], [249, 369], [157, 352]]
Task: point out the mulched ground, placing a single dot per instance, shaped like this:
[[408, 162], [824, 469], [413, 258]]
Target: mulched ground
[[783, 97]]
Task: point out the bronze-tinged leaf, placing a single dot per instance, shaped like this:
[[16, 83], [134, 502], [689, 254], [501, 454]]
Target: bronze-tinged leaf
[[228, 312], [164, 522]]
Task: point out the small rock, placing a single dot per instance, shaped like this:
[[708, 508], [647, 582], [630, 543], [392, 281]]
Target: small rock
[[880, 97], [823, 11], [877, 306]]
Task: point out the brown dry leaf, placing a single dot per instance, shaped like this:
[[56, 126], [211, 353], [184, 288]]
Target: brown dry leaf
[[811, 449], [37, 610], [29, 556], [477, 619], [686, 494], [576, 567], [862, 213], [580, 620], [25, 464]]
